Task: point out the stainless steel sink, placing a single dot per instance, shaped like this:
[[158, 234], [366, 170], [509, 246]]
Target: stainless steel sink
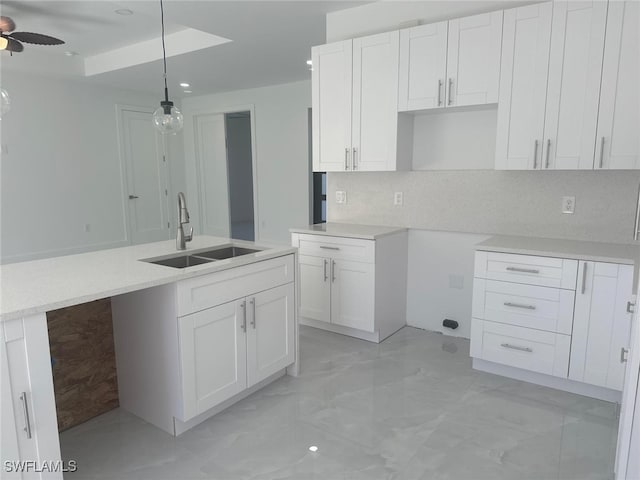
[[182, 261], [226, 252]]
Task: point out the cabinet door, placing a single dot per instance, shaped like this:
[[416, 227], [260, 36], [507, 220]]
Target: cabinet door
[[331, 101], [617, 141], [375, 102], [523, 87], [575, 65], [473, 59], [353, 294], [315, 288], [270, 332], [423, 66], [30, 427], [601, 324], [212, 356]]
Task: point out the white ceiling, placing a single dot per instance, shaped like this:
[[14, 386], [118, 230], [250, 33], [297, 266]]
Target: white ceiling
[[271, 40]]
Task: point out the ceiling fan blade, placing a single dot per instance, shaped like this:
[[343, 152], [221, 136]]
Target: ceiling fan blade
[[7, 25], [37, 38], [14, 45]]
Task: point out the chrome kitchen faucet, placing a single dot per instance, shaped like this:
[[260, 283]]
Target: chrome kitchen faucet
[[183, 217]]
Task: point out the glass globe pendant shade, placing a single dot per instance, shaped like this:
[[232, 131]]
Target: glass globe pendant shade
[[168, 119], [5, 102]]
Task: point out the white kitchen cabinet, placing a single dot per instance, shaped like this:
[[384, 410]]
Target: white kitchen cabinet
[[29, 421], [602, 324], [573, 87], [617, 139], [353, 286], [523, 87], [454, 63], [354, 99]]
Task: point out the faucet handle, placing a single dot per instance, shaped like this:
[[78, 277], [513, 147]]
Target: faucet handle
[[188, 238]]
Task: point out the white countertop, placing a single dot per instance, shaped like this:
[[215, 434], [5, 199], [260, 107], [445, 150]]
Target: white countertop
[[549, 247], [366, 232], [41, 285]]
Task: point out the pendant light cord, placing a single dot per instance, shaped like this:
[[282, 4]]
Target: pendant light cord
[[164, 54]]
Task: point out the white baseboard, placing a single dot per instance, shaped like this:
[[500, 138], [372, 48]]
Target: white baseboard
[[558, 383], [351, 332]]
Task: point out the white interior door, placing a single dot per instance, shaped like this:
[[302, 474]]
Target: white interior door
[[375, 101], [315, 288], [331, 112], [473, 63], [147, 176], [270, 332], [353, 294], [211, 169], [575, 66], [212, 356], [618, 142], [523, 87], [423, 66]]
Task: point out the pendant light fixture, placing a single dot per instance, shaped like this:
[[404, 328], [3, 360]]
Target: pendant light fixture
[[167, 119]]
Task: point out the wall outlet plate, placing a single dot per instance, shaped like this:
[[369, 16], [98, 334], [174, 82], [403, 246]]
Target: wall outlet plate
[[568, 205], [398, 198], [341, 196]]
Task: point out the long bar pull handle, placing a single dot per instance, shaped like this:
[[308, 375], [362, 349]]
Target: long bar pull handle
[[346, 158], [516, 347], [630, 306], [601, 152], [355, 159], [133, 197], [329, 248], [546, 162], [439, 92], [535, 154], [519, 305], [623, 355], [637, 224], [584, 278], [449, 100], [252, 302], [27, 420], [523, 270], [333, 271], [243, 305], [326, 276]]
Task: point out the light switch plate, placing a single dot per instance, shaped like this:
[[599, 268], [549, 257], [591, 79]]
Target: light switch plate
[[568, 205], [341, 196]]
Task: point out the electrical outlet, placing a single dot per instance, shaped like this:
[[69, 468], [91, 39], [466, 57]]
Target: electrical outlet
[[398, 198], [341, 196], [568, 204], [87, 227]]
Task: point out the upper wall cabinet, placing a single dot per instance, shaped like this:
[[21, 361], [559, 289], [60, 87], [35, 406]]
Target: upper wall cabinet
[[451, 63], [617, 140], [354, 98]]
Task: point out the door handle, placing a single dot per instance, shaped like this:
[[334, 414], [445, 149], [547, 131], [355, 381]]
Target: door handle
[[584, 278], [623, 355], [333, 271], [449, 100], [601, 152], [355, 159], [346, 158], [516, 347], [243, 325], [253, 316], [133, 197], [535, 154], [439, 92], [27, 420], [519, 305], [326, 277], [630, 306], [523, 270], [546, 162]]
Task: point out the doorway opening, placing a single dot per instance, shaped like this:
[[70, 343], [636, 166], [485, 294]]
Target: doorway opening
[[240, 175]]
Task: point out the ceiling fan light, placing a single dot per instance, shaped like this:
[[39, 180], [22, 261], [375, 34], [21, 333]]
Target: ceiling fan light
[[5, 102], [168, 119], [3, 43]]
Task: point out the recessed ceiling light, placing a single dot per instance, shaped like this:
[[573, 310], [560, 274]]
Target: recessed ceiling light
[[70, 53], [185, 85], [309, 62], [188, 91], [124, 11], [313, 448]]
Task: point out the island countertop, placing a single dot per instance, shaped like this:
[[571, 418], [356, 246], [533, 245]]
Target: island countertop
[[37, 286], [366, 232]]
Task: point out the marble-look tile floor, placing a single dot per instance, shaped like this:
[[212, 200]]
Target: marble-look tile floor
[[409, 408]]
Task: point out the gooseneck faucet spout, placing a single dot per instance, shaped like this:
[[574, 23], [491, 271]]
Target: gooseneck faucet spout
[[183, 217]]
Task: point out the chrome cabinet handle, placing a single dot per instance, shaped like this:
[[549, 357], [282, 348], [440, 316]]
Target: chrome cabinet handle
[[346, 158], [635, 228], [439, 92], [623, 355], [355, 159], [515, 347], [329, 248], [546, 162], [601, 152], [584, 278], [535, 154], [326, 277], [243, 306], [253, 317], [523, 270], [630, 306], [333, 271], [133, 197], [519, 305], [449, 100], [27, 420]]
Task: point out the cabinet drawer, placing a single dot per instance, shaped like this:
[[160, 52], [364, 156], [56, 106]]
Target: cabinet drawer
[[354, 249], [527, 269], [542, 308], [198, 293], [519, 347]]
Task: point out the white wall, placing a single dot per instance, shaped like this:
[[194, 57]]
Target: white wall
[[61, 167], [281, 143]]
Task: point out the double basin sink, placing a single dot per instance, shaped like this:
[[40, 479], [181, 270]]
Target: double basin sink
[[197, 258]]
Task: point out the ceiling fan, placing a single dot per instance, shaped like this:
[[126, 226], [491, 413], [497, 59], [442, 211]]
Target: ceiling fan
[[12, 41]]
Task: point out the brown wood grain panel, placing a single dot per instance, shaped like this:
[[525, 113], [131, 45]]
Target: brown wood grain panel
[[84, 362]]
